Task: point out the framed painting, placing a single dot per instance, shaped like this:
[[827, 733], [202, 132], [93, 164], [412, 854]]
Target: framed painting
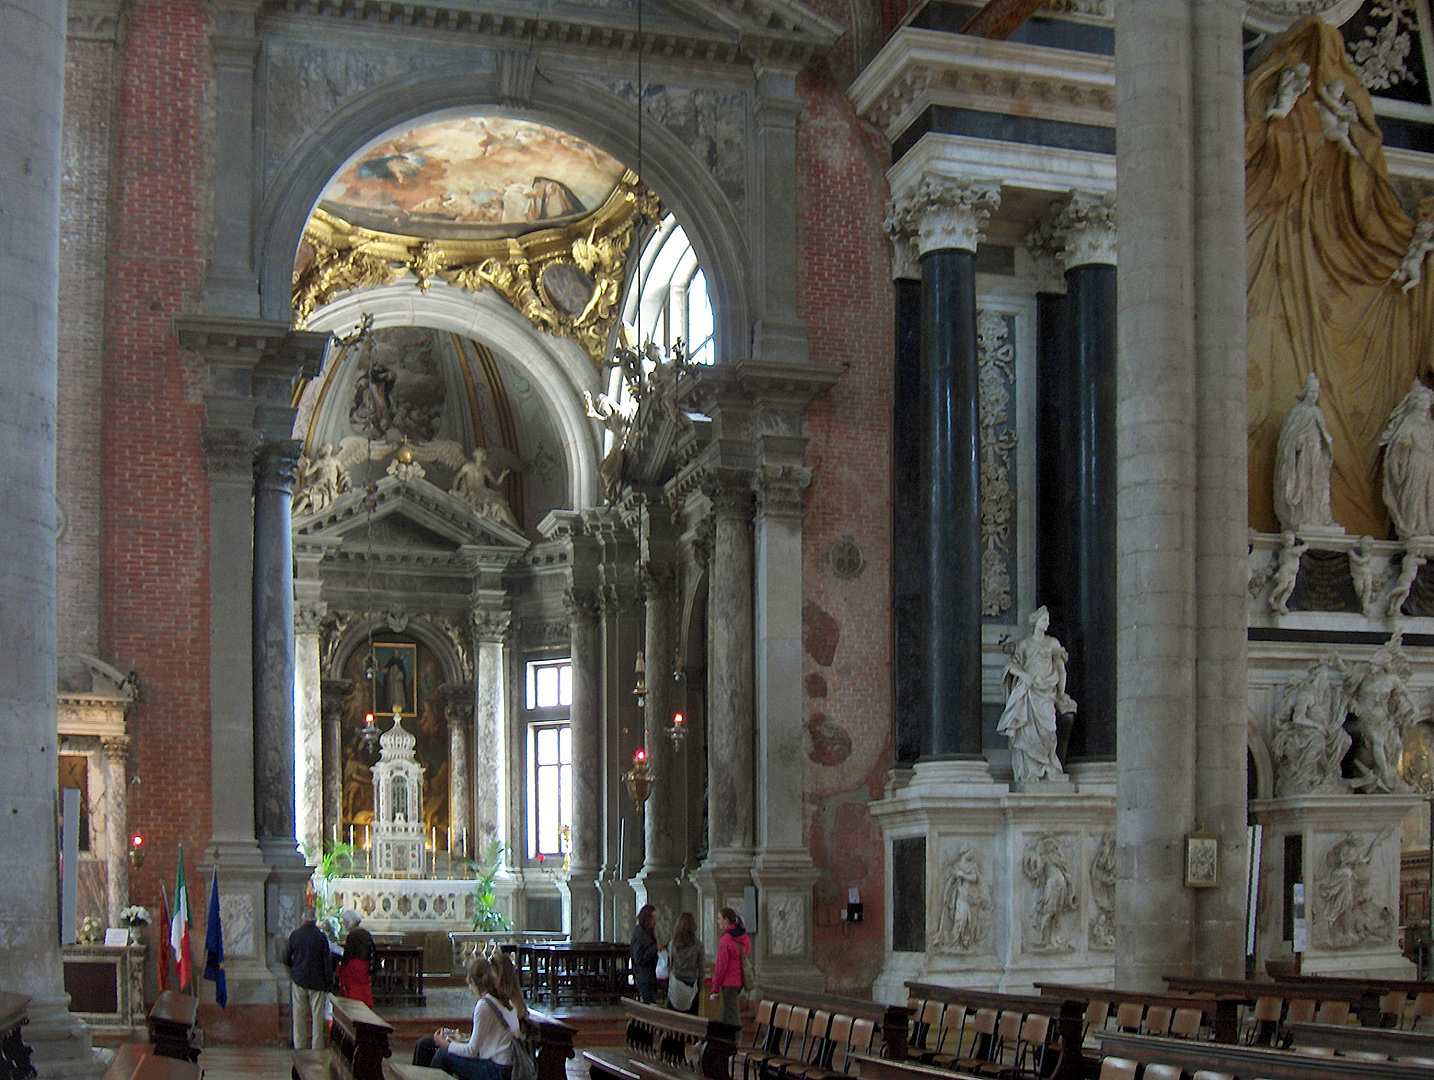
[[396, 677], [1202, 860]]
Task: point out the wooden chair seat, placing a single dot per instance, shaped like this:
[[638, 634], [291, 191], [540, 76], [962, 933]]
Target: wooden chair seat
[[1186, 1023], [1128, 1016], [1114, 1068], [983, 1043], [1163, 1072]]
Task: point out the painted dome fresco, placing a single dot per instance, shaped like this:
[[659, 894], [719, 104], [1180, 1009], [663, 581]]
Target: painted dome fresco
[[473, 178]]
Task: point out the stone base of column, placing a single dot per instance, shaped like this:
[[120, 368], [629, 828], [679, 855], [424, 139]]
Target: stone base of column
[[972, 776], [60, 1041], [619, 908], [784, 879], [721, 882], [1350, 847], [284, 892], [660, 886], [247, 975], [582, 905], [1004, 888]]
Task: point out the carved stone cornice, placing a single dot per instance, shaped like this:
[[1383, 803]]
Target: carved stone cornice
[[1085, 228], [229, 452], [940, 213], [780, 490], [491, 625]]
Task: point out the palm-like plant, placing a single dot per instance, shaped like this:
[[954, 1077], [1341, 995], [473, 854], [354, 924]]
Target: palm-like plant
[[336, 859], [486, 917]]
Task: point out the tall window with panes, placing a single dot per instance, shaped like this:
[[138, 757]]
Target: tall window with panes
[[548, 703]]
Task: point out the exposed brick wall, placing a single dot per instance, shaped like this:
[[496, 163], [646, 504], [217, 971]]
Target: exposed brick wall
[[846, 299], [84, 222], [155, 542]]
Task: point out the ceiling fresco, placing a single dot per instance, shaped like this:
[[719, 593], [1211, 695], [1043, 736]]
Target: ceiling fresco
[[473, 178]]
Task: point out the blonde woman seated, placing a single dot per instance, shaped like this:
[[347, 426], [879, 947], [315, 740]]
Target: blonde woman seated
[[488, 1052]]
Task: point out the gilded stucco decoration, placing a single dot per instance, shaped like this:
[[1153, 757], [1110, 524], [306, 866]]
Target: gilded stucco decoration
[[566, 280], [1326, 240]]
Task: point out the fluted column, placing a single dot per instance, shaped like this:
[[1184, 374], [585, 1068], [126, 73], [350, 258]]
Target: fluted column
[[945, 217], [114, 753], [309, 729], [586, 721], [489, 715], [331, 706], [273, 585]]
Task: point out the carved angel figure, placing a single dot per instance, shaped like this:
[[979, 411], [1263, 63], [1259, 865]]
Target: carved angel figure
[[1336, 114], [1361, 573], [1381, 710], [1411, 267], [1035, 684], [321, 480], [1294, 81], [965, 904], [1053, 891], [1349, 915], [476, 484], [1310, 741], [1102, 893], [1404, 584], [1287, 572], [1303, 459], [1408, 441]]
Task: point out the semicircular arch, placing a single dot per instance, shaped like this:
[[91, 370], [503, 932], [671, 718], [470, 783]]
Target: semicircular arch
[[686, 189], [416, 627]]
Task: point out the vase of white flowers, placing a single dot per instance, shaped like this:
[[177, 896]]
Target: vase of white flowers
[[134, 916]]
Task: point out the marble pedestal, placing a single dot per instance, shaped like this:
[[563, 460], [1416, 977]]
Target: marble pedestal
[[1350, 866], [1016, 887]]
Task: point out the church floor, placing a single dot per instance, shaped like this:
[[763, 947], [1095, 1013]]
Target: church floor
[[272, 1063]]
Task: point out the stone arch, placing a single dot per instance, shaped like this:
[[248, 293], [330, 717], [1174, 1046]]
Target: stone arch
[[686, 188], [417, 626], [559, 369]]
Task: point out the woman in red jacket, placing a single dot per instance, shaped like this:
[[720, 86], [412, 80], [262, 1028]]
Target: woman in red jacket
[[732, 944]]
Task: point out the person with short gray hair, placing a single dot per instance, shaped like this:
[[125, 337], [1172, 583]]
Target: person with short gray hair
[[358, 957]]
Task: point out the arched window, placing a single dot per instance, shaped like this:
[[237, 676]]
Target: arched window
[[672, 300]]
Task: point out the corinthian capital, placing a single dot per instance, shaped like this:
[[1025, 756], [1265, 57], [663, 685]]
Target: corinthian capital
[[780, 489], [1085, 229], [941, 213], [229, 452]]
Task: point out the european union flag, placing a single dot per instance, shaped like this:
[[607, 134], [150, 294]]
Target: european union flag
[[214, 945]]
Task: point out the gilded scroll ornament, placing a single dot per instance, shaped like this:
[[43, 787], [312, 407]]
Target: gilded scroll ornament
[[566, 281]]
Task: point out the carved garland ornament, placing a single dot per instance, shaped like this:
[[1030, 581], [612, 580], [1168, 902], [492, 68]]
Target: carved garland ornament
[[1382, 57], [996, 380], [566, 281]]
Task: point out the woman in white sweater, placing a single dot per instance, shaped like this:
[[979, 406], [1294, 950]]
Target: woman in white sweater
[[488, 1052]]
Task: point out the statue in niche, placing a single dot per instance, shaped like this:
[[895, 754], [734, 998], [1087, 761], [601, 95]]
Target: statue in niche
[[1053, 893], [1287, 572], [1102, 893], [1035, 683], [1303, 459], [321, 480], [1411, 268], [965, 904], [1294, 81], [1349, 915], [1361, 574], [476, 484], [1381, 710], [1399, 591], [1310, 741], [1336, 114], [1408, 442]]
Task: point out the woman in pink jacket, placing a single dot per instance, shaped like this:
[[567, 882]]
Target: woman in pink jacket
[[732, 944]]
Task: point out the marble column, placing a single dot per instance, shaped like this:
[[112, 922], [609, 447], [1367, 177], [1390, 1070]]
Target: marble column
[[1084, 587], [1181, 529], [489, 716], [908, 551], [34, 35], [309, 732], [945, 216], [656, 882], [458, 712], [333, 692], [581, 893], [114, 753]]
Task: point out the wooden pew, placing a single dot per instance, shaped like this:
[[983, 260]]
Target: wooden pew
[[14, 1054], [171, 1025], [666, 1045], [1250, 1062], [892, 1021], [1344, 1038], [358, 1045], [1373, 990], [138, 1061], [1247, 993], [1221, 1015], [1067, 1016], [547, 1039]]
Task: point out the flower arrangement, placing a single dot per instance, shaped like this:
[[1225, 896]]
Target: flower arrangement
[[135, 915]]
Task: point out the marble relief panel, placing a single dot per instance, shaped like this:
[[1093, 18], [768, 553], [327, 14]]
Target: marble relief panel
[[1048, 887], [963, 904], [236, 913], [996, 354]]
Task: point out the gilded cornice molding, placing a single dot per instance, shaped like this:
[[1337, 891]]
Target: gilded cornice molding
[[919, 68]]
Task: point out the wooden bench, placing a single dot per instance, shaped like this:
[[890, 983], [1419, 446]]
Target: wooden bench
[[358, 1045], [1243, 1062], [1378, 995], [1004, 1026], [171, 1025], [547, 1039], [1152, 1014], [1271, 1004], [139, 1061], [14, 1054], [1346, 1039], [666, 1045]]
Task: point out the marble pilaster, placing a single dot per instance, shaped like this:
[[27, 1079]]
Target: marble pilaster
[[458, 713], [114, 753], [309, 732], [656, 882], [779, 333], [331, 710], [230, 284], [581, 898], [490, 738]]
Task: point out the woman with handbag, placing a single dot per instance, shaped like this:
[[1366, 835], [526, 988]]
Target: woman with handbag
[[733, 947], [685, 962]]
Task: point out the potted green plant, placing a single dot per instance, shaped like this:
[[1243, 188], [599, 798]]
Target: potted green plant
[[486, 917], [336, 859]]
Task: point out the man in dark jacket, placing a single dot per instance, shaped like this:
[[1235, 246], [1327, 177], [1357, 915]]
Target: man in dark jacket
[[311, 967], [644, 954]]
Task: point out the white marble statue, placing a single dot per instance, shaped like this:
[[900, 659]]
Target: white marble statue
[[1287, 572], [321, 480], [1408, 441], [1381, 710], [1404, 583], [965, 904], [1309, 739], [1294, 81], [1303, 459], [1336, 114], [1102, 893], [1361, 574], [1348, 915], [1035, 683], [477, 485], [1411, 267], [1053, 892]]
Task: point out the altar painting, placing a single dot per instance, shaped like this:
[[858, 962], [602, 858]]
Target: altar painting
[[406, 672], [475, 177]]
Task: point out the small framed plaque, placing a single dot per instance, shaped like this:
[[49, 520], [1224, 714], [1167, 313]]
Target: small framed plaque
[[1202, 860], [116, 937]]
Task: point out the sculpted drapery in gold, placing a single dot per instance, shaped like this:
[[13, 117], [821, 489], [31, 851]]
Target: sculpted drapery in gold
[[1325, 235]]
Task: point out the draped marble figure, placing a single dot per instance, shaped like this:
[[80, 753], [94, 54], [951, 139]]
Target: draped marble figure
[[1035, 682], [1303, 458], [1408, 442]]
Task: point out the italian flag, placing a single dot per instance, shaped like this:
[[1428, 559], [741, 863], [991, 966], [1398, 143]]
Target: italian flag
[[179, 928]]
